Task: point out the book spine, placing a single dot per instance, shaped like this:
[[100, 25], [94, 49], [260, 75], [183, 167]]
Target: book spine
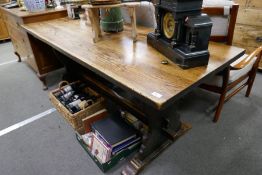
[[100, 137], [125, 145]]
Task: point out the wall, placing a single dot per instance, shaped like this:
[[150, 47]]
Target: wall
[[249, 25]]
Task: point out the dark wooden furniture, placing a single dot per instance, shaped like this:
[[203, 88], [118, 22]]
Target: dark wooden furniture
[[260, 66], [3, 29], [220, 11], [224, 38], [227, 86], [131, 74], [14, 18]]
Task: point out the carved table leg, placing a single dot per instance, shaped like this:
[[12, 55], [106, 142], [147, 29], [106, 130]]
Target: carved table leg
[[163, 130], [19, 57], [42, 78]]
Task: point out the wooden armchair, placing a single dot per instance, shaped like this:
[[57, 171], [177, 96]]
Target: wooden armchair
[[239, 75], [242, 72]]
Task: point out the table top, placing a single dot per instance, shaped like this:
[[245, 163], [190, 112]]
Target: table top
[[133, 66], [23, 14], [125, 4]]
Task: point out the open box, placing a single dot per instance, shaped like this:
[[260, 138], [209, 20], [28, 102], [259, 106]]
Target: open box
[[114, 159]]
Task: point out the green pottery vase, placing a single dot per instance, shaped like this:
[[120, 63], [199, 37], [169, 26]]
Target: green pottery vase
[[112, 20]]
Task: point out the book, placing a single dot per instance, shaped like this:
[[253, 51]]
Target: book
[[100, 150], [125, 145], [92, 118], [88, 139], [113, 131]]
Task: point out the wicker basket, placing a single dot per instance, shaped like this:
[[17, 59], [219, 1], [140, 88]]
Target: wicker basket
[[75, 120]]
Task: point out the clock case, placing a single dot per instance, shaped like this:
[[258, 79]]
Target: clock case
[[189, 45]]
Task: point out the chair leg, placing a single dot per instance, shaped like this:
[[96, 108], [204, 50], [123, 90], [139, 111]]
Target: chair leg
[[220, 106], [250, 83], [223, 94]]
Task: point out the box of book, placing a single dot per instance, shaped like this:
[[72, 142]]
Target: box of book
[[113, 160], [108, 138], [76, 101], [115, 133]]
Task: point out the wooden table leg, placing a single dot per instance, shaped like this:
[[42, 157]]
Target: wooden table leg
[[132, 13], [94, 18], [164, 126], [162, 132], [42, 78]]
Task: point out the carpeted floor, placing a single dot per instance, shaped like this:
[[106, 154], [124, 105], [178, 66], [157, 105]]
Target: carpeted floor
[[48, 146]]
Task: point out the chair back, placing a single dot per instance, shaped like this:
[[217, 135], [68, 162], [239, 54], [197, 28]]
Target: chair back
[[253, 57], [224, 21]]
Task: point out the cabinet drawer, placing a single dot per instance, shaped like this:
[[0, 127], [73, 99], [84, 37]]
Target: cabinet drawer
[[3, 30], [18, 35], [19, 47], [12, 21]]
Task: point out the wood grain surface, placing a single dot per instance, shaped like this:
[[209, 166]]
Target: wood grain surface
[[3, 29], [18, 13], [134, 66], [4, 1], [127, 4]]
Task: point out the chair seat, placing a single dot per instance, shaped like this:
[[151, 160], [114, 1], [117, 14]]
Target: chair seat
[[234, 74]]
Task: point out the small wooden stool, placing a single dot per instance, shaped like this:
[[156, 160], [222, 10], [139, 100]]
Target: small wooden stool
[[93, 12]]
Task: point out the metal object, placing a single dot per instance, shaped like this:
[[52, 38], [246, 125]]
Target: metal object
[[182, 32], [164, 62], [168, 25]]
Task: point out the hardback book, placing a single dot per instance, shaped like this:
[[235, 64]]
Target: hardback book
[[114, 131], [125, 145], [92, 118], [101, 151]]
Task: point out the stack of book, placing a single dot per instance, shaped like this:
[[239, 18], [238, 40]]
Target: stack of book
[[111, 135]]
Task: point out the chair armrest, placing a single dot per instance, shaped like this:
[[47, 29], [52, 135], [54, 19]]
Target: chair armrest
[[247, 60]]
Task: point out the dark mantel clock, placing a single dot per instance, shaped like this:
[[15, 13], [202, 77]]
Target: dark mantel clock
[[182, 32]]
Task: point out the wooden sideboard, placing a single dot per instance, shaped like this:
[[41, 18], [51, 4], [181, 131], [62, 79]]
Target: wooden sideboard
[[3, 29], [260, 66], [14, 18]]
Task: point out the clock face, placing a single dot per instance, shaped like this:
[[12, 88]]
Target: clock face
[[168, 25]]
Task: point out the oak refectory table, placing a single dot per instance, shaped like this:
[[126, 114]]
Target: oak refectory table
[[145, 87]]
